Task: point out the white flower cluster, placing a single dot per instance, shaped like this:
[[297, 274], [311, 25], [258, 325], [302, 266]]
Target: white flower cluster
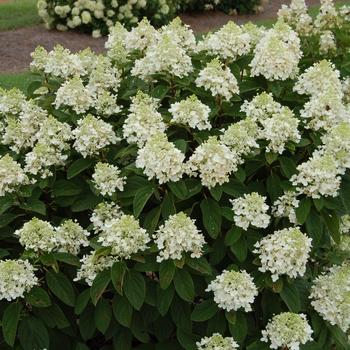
[[229, 42], [107, 179], [165, 54], [285, 252], [249, 210], [217, 342], [92, 135], [233, 290], [125, 237], [104, 214], [327, 17], [327, 42], [330, 296], [16, 278], [325, 108], [160, 159], [241, 137], [93, 264], [11, 175], [191, 112], [11, 101], [213, 161], [218, 79], [50, 150], [287, 330], [277, 54], [40, 236], [178, 235], [143, 120], [285, 206]]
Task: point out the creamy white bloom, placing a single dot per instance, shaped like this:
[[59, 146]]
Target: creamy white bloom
[[285, 252], [233, 290], [160, 159], [125, 237], [16, 278], [261, 107], [330, 296], [324, 110], [92, 135], [277, 54], [217, 342], [327, 17], [287, 330], [141, 36], [319, 176], [327, 42], [192, 112], [250, 209], [70, 237], [104, 214], [12, 175], [218, 79], [115, 44], [279, 129], [229, 42], [74, 94], [93, 264], [37, 235], [344, 226], [285, 206], [163, 55], [178, 235], [213, 162], [107, 178], [11, 101], [143, 120], [241, 137], [59, 62], [321, 77]]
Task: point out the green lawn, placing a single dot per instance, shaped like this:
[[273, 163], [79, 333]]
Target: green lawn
[[18, 13], [18, 80]]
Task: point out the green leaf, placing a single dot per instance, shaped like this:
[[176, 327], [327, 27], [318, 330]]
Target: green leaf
[[181, 145], [117, 275], [332, 223], [141, 198], [288, 166], [290, 295], [10, 321], [61, 286], [82, 301], [135, 289], [160, 91], [239, 329], [314, 228], [78, 166], [303, 210], [233, 235], [33, 334], [5, 203], [6, 219], [164, 299], [186, 339], [152, 219], [231, 316], [216, 192], [199, 264], [99, 285], [167, 270], [38, 297], [87, 325], [67, 258], [211, 214], [168, 206], [122, 311], [204, 311], [184, 285], [85, 202], [62, 188], [103, 315], [179, 189], [271, 157], [240, 249]]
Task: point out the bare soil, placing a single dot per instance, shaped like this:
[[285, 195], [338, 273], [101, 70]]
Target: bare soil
[[16, 45]]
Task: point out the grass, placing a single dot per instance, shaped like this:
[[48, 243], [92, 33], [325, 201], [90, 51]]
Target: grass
[[18, 13], [16, 80]]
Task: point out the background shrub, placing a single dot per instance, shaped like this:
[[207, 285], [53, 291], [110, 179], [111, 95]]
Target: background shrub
[[98, 16], [117, 169]]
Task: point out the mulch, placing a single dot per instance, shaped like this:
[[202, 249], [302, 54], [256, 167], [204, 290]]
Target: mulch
[[16, 45]]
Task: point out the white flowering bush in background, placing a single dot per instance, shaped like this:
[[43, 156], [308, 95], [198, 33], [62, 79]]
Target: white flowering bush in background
[[177, 194], [99, 16]]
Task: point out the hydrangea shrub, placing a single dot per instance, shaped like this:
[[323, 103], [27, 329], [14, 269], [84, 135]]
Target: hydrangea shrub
[[99, 16], [177, 194]]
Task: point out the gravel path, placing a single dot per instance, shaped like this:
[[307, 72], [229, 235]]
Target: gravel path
[[16, 45]]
